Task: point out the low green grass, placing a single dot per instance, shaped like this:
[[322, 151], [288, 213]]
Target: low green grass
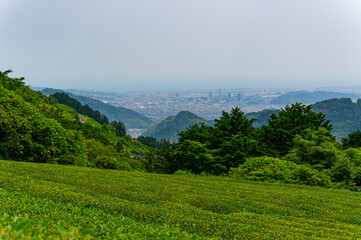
[[53, 201]]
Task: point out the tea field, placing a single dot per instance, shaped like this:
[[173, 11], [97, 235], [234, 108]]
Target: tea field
[[44, 201]]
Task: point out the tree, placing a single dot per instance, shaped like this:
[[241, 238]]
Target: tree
[[27, 135], [202, 134], [353, 140], [235, 123], [11, 83], [278, 136], [149, 141], [314, 147], [274, 169], [119, 128], [216, 149], [193, 156]]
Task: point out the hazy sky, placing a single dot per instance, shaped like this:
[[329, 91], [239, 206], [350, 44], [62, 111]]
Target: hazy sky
[[181, 44]]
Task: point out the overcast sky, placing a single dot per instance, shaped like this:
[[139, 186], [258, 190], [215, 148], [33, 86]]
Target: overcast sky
[[181, 44]]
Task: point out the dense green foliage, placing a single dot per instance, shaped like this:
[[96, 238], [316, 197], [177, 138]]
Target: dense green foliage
[[119, 128], [53, 201], [28, 135], [215, 149], [152, 142], [295, 147], [64, 98], [353, 140], [170, 127], [314, 147], [130, 118], [274, 169], [233, 138], [278, 135], [37, 128]]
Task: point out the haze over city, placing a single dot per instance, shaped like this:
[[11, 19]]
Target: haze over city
[[191, 44]]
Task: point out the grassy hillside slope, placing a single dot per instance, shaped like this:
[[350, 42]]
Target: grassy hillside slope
[[53, 200]]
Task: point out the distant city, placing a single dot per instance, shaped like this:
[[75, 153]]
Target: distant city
[[208, 104]]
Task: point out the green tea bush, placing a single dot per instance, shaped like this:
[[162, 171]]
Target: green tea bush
[[182, 172], [111, 204]]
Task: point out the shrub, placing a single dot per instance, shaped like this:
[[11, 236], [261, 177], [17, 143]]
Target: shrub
[[343, 170], [182, 172], [354, 154], [274, 169], [106, 162], [314, 147], [309, 176]]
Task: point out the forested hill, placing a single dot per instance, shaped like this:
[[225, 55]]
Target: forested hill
[[344, 115], [306, 97], [36, 128], [130, 118], [170, 127], [338, 110], [64, 98]]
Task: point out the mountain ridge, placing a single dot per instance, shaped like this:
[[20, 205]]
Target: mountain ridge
[[130, 118]]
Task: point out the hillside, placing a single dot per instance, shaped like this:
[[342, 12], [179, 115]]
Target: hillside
[[306, 97], [170, 127], [130, 118], [36, 128], [64, 98], [261, 116], [344, 115], [53, 200]]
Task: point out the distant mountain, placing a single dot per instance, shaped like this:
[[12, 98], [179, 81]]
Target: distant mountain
[[262, 116], [170, 127], [130, 118], [344, 115], [64, 98], [306, 97]]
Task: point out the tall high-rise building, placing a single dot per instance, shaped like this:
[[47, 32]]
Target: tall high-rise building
[[229, 97], [239, 96]]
